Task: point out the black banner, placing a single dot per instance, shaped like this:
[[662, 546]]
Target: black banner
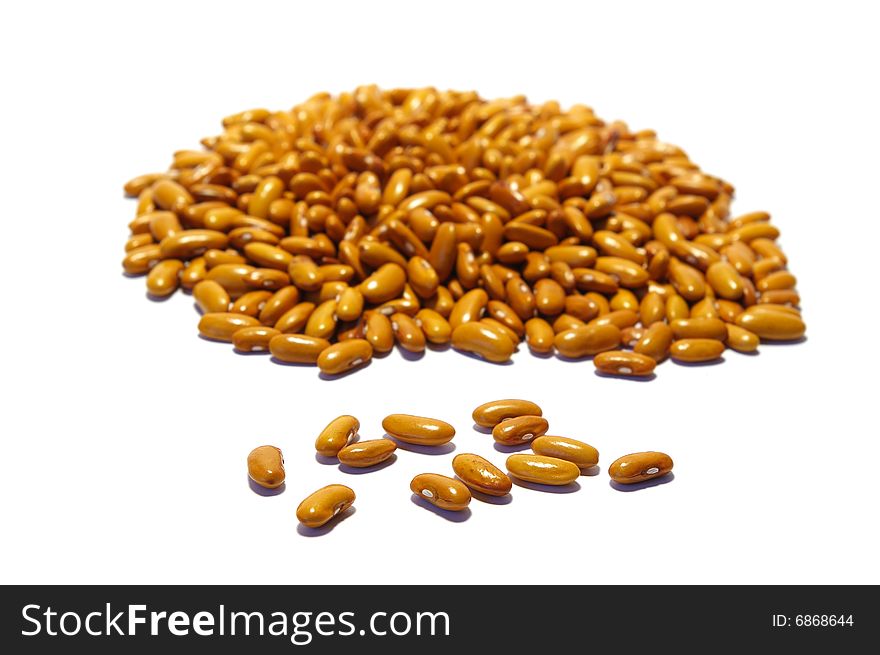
[[339, 619]]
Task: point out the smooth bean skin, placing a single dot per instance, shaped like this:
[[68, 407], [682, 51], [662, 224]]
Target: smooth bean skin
[[696, 350], [210, 297], [266, 466], [324, 504], [699, 328], [475, 337], [337, 435], [221, 326], [441, 491], [364, 454], [542, 470], [344, 356], [253, 339], [481, 475], [581, 454], [625, 363], [639, 467], [588, 340], [164, 278], [742, 340], [490, 414], [539, 335], [520, 429], [771, 325], [297, 348], [418, 430], [655, 342]]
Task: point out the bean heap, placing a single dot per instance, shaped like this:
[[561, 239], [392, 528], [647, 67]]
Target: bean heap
[[554, 461], [332, 231]]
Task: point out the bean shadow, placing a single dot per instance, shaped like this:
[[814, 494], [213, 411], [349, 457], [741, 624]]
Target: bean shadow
[[263, 491], [482, 430], [506, 499], [569, 488], [628, 378], [281, 362], [442, 449], [591, 471], [326, 461], [338, 376], [481, 359], [754, 353], [513, 448], [154, 298], [328, 527], [784, 342], [647, 484], [545, 355], [574, 360], [354, 470], [452, 517], [250, 353], [409, 355], [438, 347], [710, 363]]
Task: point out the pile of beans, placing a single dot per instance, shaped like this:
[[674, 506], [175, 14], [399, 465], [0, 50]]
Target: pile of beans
[[349, 224], [555, 461]]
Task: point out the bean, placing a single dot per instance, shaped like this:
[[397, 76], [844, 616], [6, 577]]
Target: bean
[[364, 454], [278, 304], [639, 467], [436, 328], [700, 328], [378, 332], [253, 339], [266, 466], [344, 356], [480, 339], [441, 491], [627, 273], [741, 340], [623, 362], [696, 350], [542, 470], [294, 319], [297, 348], [141, 259], [211, 297], [220, 326], [588, 340], [655, 342], [418, 430], [622, 318], [408, 333], [580, 454], [490, 414], [519, 429], [324, 504], [771, 325], [725, 280], [481, 475], [191, 243], [468, 308], [539, 335], [164, 278]]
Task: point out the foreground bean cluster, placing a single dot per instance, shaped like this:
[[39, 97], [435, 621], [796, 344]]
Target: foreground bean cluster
[[349, 224], [555, 461]]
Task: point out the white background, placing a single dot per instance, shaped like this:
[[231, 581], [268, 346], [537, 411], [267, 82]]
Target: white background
[[124, 435]]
